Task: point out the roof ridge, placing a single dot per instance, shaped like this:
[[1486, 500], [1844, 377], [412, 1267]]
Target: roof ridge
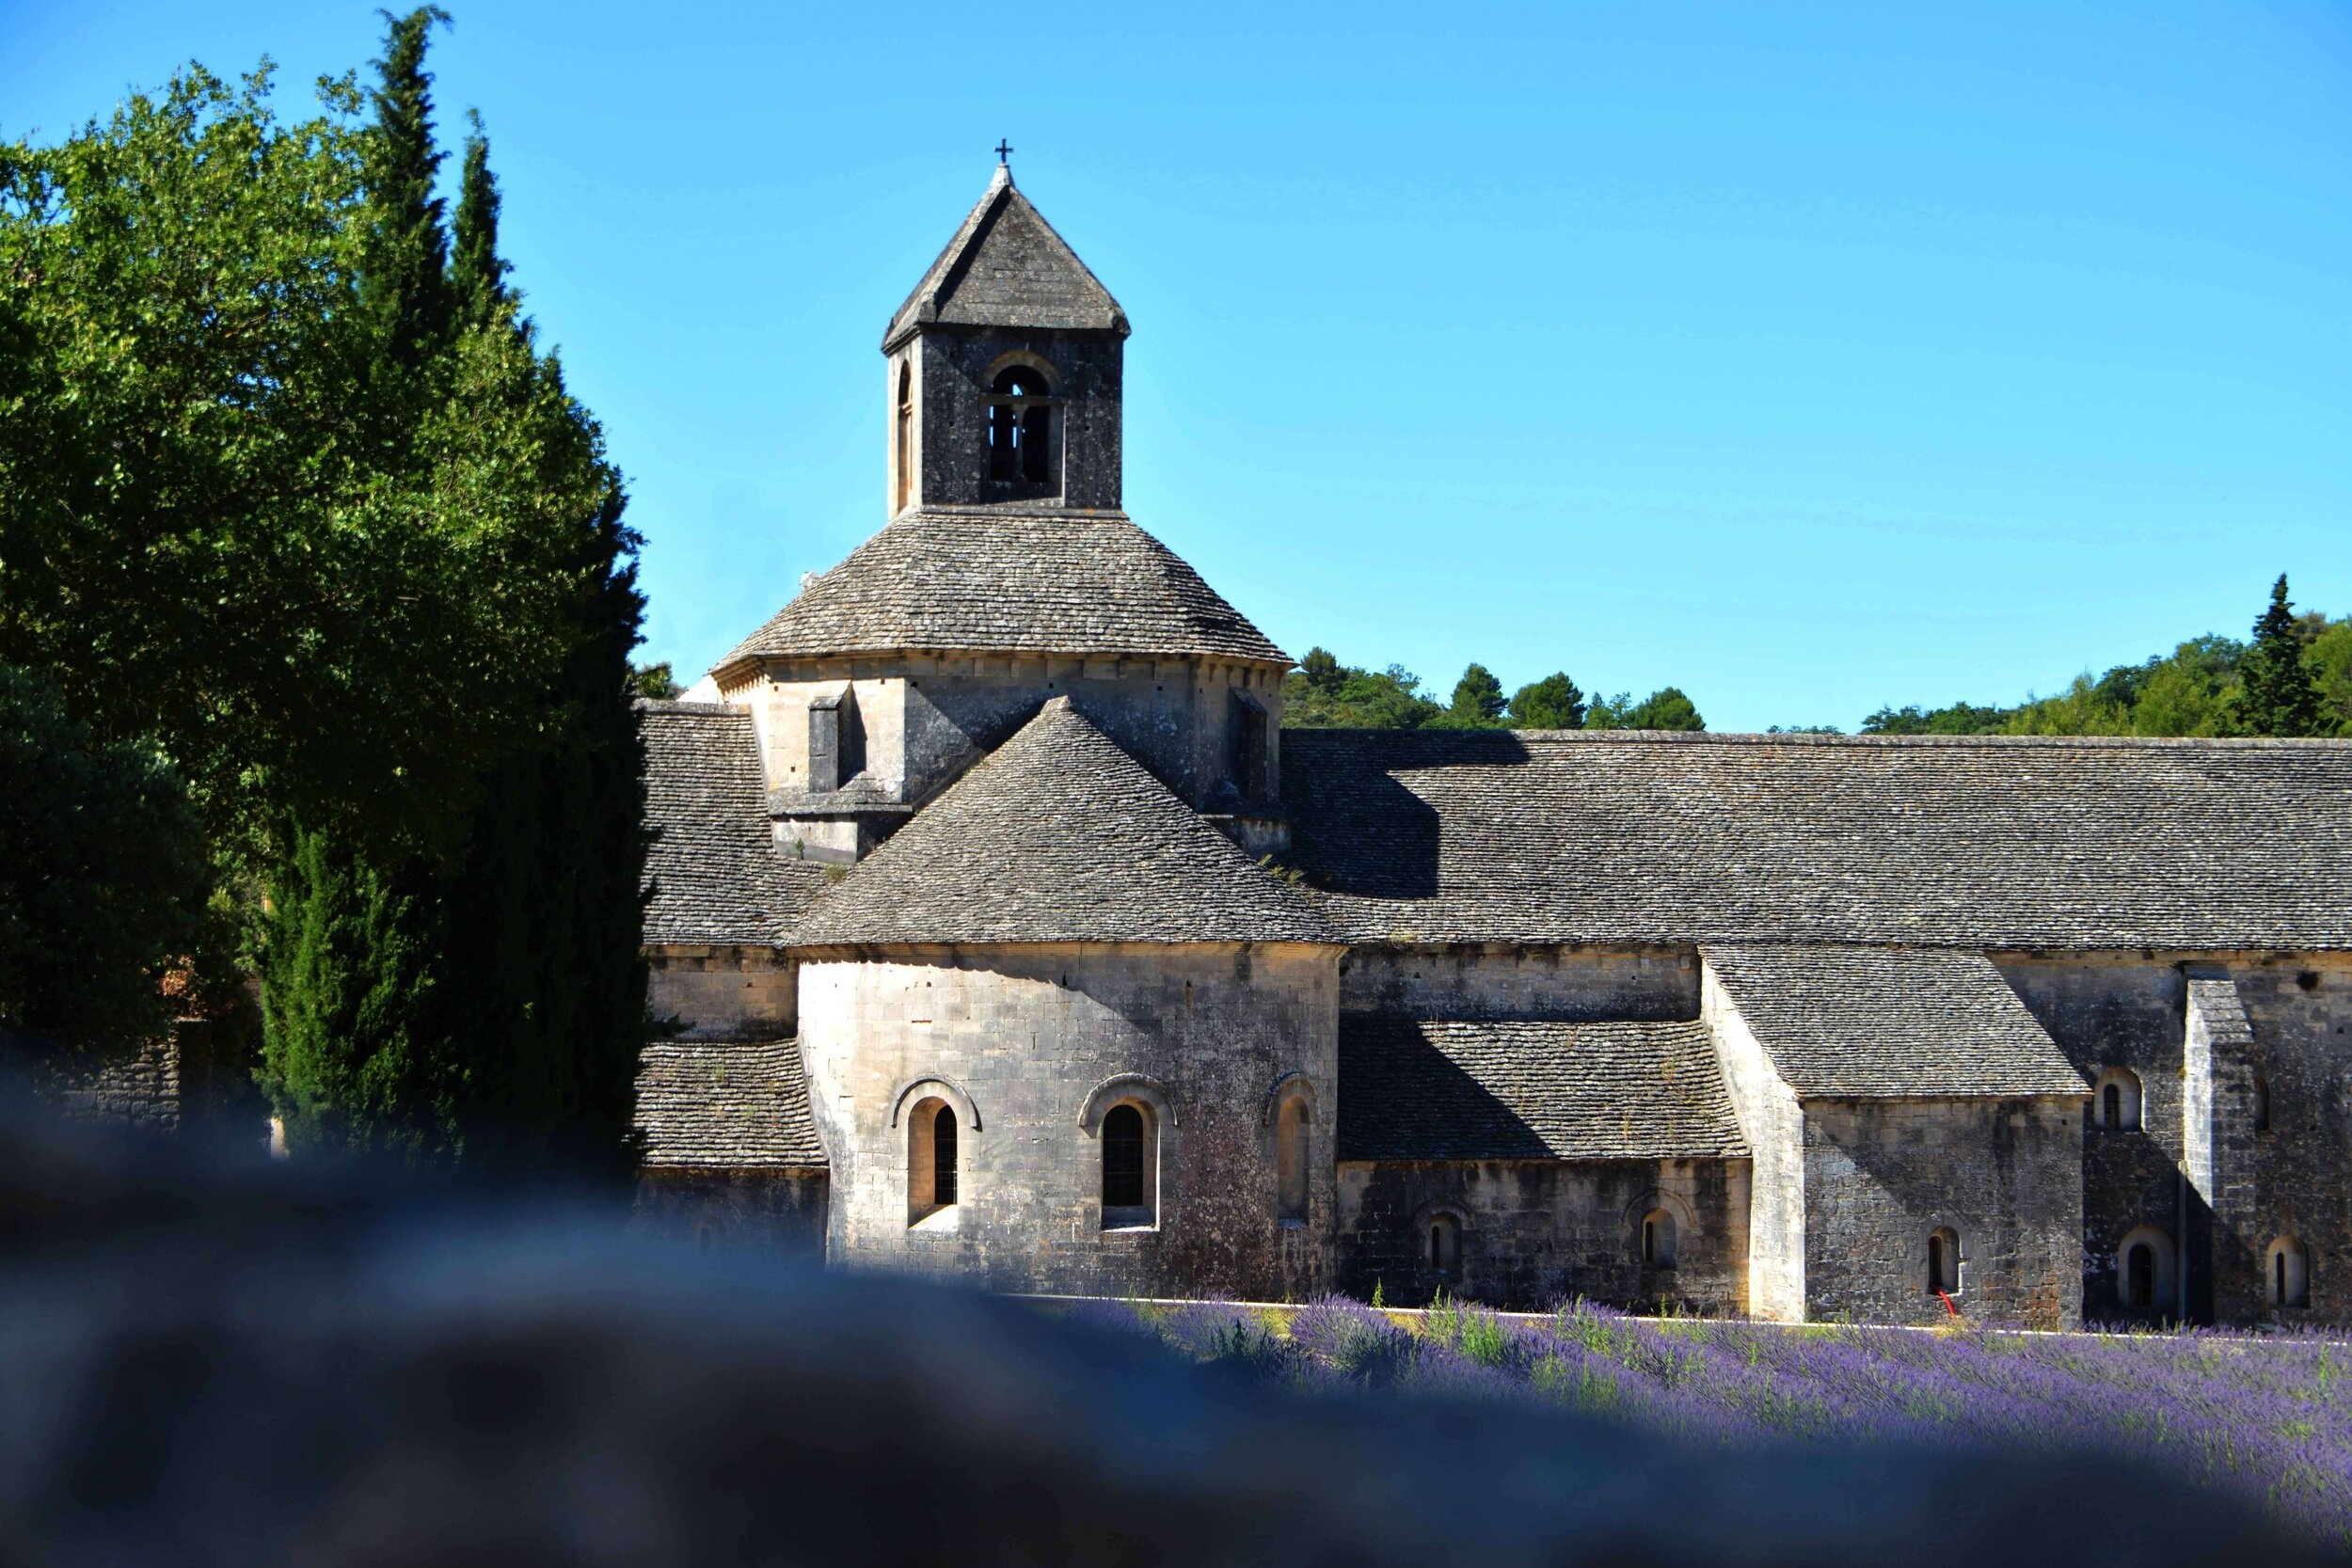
[[1892, 742]]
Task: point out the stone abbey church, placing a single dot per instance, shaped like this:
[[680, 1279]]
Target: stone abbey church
[[1013, 940]]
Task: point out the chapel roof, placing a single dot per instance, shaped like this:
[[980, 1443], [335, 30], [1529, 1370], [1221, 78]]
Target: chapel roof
[[1869, 1023], [1418, 1089], [1058, 835], [716, 880], [1005, 266], [985, 579], [1979, 842], [726, 1106]]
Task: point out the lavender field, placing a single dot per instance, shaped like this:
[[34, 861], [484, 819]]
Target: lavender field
[[2265, 1416]]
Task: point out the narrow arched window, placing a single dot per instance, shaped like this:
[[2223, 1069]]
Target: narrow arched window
[[1019, 427], [943, 1157], [2261, 1104], [904, 490], [1944, 1262], [2140, 1276], [931, 1160], [1445, 1245], [1126, 1150], [2143, 1269], [1658, 1239], [2289, 1274], [1290, 1160], [2119, 1099]]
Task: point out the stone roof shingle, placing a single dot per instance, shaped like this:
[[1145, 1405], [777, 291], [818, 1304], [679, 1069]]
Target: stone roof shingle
[[1417, 1089], [726, 1106], [1977, 842], [1879, 1022], [716, 878], [986, 580], [1058, 835], [1006, 267]]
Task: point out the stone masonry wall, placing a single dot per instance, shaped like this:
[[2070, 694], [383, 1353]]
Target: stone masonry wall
[[1534, 1233], [1496, 981], [780, 1211], [2300, 1007], [1882, 1174], [1772, 1121], [954, 369], [723, 993], [1025, 1034]]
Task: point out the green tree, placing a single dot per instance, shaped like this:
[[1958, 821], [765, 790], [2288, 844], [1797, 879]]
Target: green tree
[[1478, 701], [1326, 694], [103, 876], [2277, 694], [404, 287], [488, 1008], [653, 681], [1554, 703], [1666, 709], [2330, 657]]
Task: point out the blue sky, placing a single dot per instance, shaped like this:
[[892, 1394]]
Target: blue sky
[[1808, 357]]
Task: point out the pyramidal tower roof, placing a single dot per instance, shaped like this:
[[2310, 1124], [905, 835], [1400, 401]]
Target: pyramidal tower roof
[[1006, 267], [1058, 835]]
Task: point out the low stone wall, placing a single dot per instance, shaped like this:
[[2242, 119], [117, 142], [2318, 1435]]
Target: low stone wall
[[779, 1211]]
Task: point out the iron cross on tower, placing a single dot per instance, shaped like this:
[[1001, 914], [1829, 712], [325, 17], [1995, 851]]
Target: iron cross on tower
[[1004, 150]]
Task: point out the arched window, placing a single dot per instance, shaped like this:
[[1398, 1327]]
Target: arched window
[[1128, 1187], [2261, 1104], [1658, 1239], [2287, 1273], [1444, 1240], [2118, 1100], [1944, 1262], [1020, 426], [2143, 1270], [931, 1163], [1290, 1159], [904, 490]]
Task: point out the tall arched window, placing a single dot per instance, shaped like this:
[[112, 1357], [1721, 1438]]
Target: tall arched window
[[2143, 1270], [1658, 1239], [1444, 1240], [2118, 1100], [1290, 1159], [2287, 1273], [931, 1163], [1944, 1262], [2261, 1104], [1128, 1187], [904, 490], [1019, 427]]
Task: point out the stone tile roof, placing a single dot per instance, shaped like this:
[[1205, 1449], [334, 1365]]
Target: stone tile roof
[[1871, 1022], [1006, 267], [1058, 835], [716, 880], [988, 580], [1414, 1089], [1962, 842], [726, 1106]]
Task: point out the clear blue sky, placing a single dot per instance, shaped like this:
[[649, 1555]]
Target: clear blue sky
[[1809, 357]]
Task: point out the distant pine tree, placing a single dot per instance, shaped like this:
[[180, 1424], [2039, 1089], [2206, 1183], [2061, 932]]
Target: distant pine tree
[[1554, 703], [1478, 701], [2278, 693]]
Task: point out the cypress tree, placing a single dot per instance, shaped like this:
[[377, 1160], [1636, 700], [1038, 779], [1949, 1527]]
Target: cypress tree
[[407, 288], [543, 919], [2277, 693], [354, 1054]]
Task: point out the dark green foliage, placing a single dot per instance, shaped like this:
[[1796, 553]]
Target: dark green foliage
[[1477, 704], [405, 287], [103, 876], [653, 681], [477, 272], [1959, 718], [1326, 694], [1554, 703], [2278, 692], [1665, 708], [484, 1004], [349, 986]]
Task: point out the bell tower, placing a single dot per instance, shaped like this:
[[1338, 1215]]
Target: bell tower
[[1004, 369]]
